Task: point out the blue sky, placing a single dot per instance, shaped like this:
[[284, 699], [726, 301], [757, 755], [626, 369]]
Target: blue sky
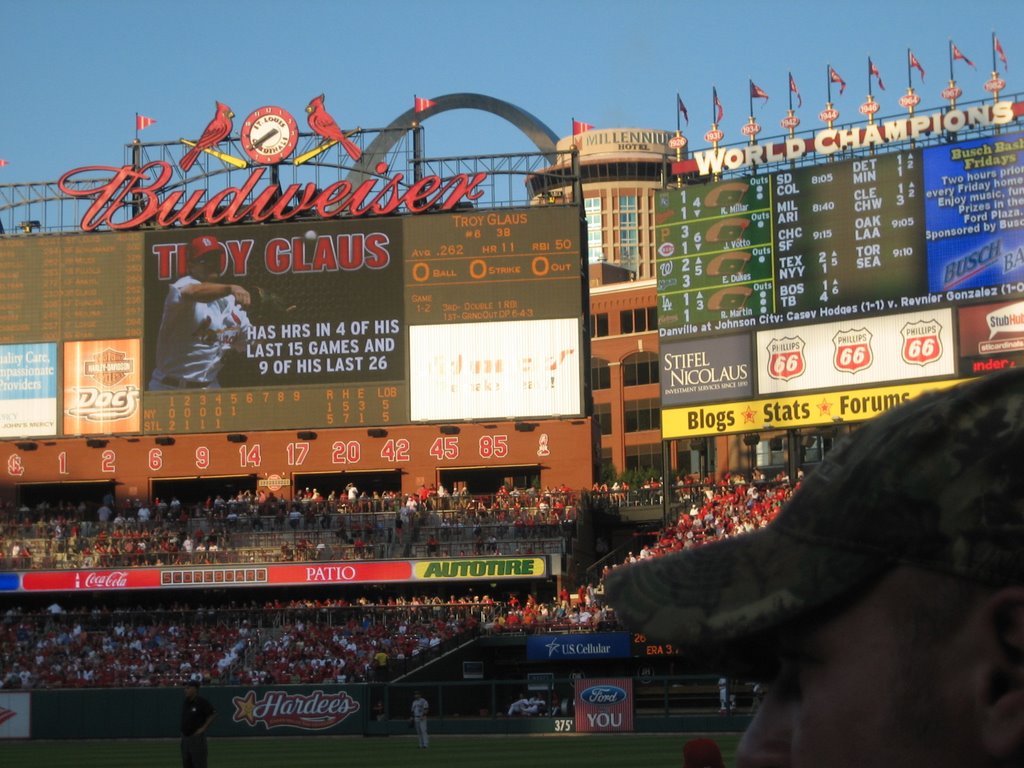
[[75, 73]]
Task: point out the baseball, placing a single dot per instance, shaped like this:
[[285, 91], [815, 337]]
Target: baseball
[[310, 234]]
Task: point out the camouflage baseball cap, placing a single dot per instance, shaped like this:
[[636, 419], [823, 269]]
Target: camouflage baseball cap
[[936, 483]]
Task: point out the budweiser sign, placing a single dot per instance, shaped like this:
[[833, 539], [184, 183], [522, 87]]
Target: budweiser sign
[[316, 711], [133, 197], [102, 580]]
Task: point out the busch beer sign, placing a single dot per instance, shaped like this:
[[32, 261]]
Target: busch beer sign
[[853, 350], [786, 358]]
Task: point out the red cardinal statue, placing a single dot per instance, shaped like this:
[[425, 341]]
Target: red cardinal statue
[[215, 133], [323, 124]]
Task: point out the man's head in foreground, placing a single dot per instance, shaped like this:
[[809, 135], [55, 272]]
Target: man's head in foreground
[[886, 601]]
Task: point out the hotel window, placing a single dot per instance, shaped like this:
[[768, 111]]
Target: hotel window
[[598, 325], [642, 415], [600, 374], [603, 414], [595, 234], [629, 233], [644, 457], [638, 320], [639, 369]]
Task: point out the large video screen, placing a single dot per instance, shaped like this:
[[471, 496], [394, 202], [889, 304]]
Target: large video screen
[[454, 316]]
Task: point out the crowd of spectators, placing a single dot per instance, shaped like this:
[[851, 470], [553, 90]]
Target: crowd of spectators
[[324, 640], [299, 641], [711, 511], [262, 528]]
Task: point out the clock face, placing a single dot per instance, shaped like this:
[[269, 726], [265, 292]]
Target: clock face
[[269, 135]]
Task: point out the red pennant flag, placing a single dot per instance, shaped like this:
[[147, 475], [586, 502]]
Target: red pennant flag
[[141, 121], [719, 111], [873, 71], [3, 163], [578, 127], [682, 108], [420, 104], [794, 89], [913, 63], [757, 92], [958, 55], [1000, 52], [835, 78]]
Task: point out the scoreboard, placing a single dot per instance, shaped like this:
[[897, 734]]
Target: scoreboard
[[867, 279], [380, 321], [844, 239]]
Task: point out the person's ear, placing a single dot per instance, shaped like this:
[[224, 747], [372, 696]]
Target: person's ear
[[1003, 692]]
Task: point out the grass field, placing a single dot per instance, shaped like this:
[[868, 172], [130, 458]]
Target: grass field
[[562, 751]]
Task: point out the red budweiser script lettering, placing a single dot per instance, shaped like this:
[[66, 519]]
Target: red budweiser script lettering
[[136, 195], [110, 580], [313, 712]]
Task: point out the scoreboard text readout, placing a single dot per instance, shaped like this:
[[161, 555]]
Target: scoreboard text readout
[[849, 238], [377, 321]]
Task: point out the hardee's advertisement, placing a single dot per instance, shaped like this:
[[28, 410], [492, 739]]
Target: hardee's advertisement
[[811, 410], [317, 710], [102, 386]]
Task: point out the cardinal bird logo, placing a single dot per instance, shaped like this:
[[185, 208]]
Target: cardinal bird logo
[[324, 125], [215, 133]]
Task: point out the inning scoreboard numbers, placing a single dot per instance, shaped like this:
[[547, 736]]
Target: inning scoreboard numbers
[[378, 321], [859, 237]]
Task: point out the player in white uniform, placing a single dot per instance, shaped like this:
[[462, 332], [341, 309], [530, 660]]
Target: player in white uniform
[[202, 321], [420, 708]]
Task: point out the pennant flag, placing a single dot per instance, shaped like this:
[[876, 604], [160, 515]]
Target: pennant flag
[[834, 77], [913, 63], [794, 89], [3, 163], [682, 108], [419, 105], [997, 46], [873, 71], [719, 111], [957, 55], [756, 92], [141, 121], [578, 127]]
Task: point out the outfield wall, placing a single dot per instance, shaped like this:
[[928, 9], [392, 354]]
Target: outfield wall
[[295, 710]]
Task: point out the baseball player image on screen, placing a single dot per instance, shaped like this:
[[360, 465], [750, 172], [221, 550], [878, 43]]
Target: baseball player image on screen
[[202, 321]]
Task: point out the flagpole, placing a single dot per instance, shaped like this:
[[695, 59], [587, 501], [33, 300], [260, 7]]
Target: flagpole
[[828, 80], [678, 123], [951, 59], [993, 50], [136, 126], [910, 82], [789, 87]]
